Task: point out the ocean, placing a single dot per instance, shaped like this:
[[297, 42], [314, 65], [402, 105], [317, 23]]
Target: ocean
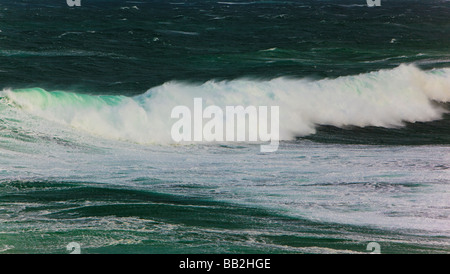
[[87, 157]]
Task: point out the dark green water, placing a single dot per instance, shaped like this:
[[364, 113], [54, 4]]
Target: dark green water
[[150, 222], [85, 148], [121, 47]]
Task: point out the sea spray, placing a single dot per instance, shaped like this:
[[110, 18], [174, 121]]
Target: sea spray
[[384, 98]]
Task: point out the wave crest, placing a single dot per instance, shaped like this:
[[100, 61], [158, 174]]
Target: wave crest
[[385, 98]]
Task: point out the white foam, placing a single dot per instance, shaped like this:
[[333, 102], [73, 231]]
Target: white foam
[[385, 98]]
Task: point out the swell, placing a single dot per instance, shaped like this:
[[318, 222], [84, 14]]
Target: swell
[[143, 219], [386, 99]]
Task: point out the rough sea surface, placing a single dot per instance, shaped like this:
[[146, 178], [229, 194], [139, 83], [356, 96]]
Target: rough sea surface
[[86, 153]]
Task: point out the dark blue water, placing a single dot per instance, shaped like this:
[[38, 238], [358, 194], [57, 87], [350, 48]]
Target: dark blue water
[[126, 47]]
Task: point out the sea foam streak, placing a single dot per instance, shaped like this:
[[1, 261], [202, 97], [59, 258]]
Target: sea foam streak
[[385, 98]]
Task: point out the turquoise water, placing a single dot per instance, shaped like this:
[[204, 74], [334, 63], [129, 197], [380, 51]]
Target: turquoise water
[[86, 153]]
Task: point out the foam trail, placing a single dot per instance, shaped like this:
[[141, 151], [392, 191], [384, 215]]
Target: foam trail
[[385, 98]]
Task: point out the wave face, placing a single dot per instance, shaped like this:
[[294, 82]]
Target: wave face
[[385, 98]]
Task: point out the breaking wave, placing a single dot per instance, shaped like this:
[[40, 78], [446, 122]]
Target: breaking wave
[[385, 98]]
